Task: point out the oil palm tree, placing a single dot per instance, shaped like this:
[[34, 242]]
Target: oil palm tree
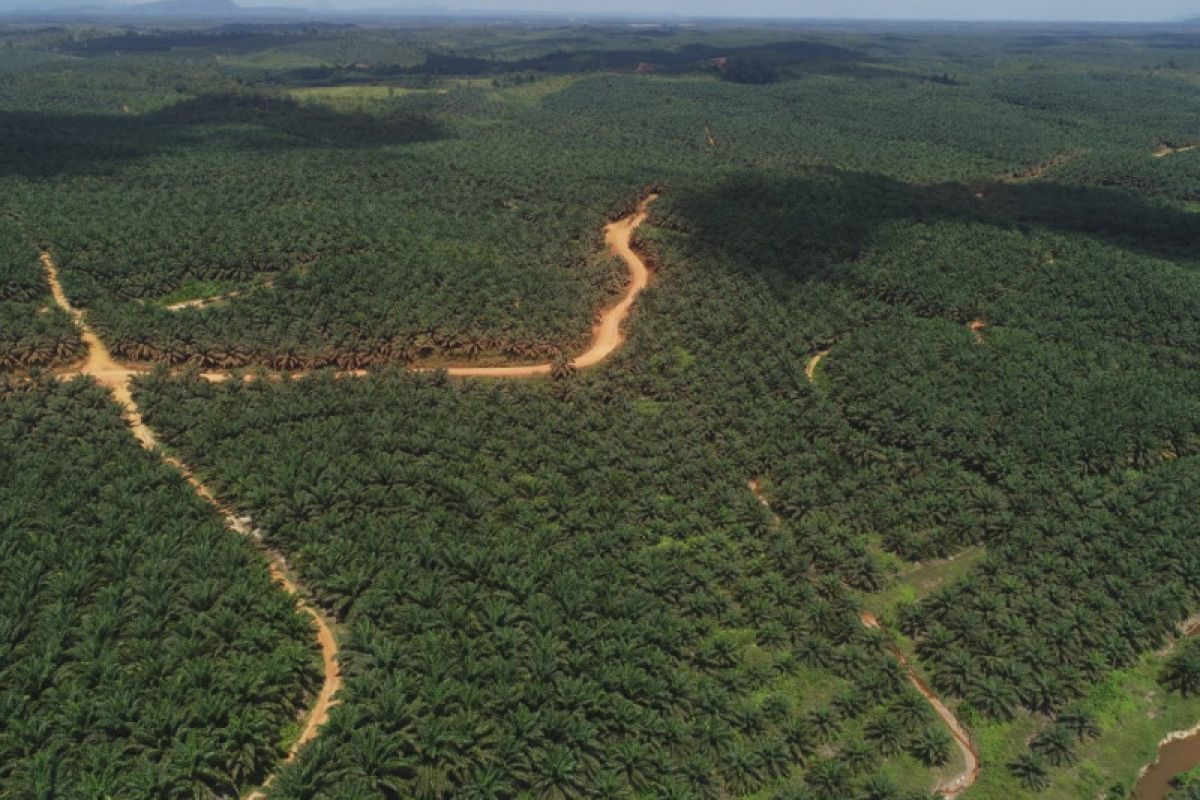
[[1031, 771]]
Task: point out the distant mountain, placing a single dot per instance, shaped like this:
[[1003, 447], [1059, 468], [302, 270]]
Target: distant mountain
[[187, 8]]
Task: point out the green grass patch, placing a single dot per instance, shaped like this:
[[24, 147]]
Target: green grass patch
[[916, 581], [194, 290], [1133, 712], [356, 97]]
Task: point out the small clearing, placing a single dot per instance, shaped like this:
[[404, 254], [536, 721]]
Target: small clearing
[[1164, 150], [810, 369]]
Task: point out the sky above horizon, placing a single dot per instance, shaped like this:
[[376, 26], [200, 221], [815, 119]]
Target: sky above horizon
[[1031, 10], [1035, 10]]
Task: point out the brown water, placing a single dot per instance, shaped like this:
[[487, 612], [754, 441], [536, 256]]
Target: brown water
[[1178, 753]]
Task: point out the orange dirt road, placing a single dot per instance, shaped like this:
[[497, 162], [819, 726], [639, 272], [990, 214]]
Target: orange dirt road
[[115, 377], [202, 302], [607, 335]]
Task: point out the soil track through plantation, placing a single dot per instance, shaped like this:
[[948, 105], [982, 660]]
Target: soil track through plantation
[[961, 782], [116, 377], [810, 369], [607, 335], [203, 302], [1038, 170], [970, 773], [1165, 150]]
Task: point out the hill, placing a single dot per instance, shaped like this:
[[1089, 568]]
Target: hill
[[189, 8]]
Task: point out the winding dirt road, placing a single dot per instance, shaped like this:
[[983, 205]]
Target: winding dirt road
[[1038, 170], [962, 781], [116, 377], [607, 336]]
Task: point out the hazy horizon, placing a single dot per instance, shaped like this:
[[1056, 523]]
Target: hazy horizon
[[895, 10]]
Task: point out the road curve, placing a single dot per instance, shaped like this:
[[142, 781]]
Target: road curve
[[1164, 150], [961, 782], [810, 369], [607, 335], [101, 366], [202, 302]]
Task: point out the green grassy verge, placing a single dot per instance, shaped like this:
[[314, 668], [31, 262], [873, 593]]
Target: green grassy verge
[[194, 290], [1133, 712]]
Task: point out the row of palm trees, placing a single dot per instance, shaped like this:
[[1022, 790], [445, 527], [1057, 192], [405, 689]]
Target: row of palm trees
[[144, 649]]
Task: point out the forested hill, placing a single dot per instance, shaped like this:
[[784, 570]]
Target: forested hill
[[188, 8]]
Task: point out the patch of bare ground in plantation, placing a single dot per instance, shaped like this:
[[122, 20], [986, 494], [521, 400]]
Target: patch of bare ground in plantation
[[976, 327], [810, 369], [1163, 150]]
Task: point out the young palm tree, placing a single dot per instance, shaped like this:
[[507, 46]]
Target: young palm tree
[[801, 738], [1057, 745], [742, 769], [993, 696], [829, 780], [858, 756], [561, 368], [1079, 721], [558, 775], [1181, 673], [878, 787], [824, 723], [887, 732], [932, 746], [1031, 771]]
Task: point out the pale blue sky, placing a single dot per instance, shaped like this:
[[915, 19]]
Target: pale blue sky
[[1034, 10], [1040, 10]]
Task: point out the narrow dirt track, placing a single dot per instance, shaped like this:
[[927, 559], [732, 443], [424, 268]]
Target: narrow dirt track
[[202, 302], [1165, 150], [810, 369], [1039, 170], [606, 335], [101, 366], [965, 779], [115, 376]]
